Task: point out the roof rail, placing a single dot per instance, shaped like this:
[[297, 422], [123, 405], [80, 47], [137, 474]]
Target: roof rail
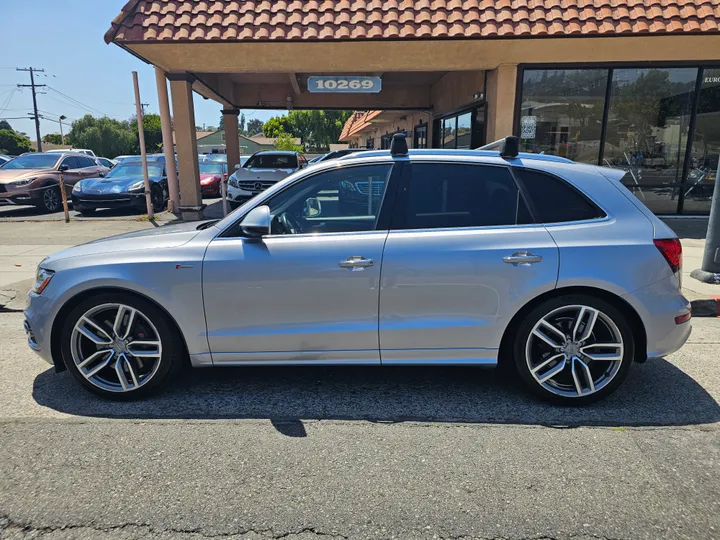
[[508, 146]]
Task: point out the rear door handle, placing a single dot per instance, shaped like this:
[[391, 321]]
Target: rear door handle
[[522, 258], [356, 262]]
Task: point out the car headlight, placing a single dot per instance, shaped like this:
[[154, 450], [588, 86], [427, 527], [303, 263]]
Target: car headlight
[[137, 186], [77, 187], [234, 181], [42, 278], [25, 182]]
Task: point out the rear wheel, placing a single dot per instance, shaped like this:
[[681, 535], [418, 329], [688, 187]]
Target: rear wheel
[[574, 349], [158, 199], [119, 346]]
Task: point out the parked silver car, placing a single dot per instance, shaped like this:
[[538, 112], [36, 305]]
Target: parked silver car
[[466, 257], [261, 171]]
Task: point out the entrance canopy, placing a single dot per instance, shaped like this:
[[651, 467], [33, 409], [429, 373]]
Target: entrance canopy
[[439, 56]]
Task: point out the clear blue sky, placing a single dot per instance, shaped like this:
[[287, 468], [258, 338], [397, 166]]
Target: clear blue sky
[[66, 39]]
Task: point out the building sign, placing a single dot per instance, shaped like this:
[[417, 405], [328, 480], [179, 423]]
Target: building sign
[[528, 125], [343, 84]]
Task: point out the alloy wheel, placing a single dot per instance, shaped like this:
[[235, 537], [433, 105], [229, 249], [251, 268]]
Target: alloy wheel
[[574, 351], [116, 347], [51, 199]]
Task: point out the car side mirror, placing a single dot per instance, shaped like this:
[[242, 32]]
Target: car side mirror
[[237, 166], [63, 168], [101, 174], [257, 222], [313, 208]]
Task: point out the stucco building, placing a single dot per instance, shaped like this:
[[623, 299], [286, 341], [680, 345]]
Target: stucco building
[[627, 83]]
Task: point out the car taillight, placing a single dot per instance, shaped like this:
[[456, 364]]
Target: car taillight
[[671, 249]]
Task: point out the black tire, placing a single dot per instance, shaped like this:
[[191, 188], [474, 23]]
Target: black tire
[[173, 351], [50, 200], [158, 198], [547, 307]]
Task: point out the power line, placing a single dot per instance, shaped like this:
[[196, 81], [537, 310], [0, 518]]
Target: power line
[[33, 86], [87, 107]]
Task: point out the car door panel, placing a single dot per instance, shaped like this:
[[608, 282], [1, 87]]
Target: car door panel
[[447, 295], [287, 299]]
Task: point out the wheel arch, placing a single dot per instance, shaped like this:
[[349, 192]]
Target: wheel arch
[[634, 319], [89, 293]]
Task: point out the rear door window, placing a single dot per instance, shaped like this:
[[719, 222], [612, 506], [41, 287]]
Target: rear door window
[[448, 195], [555, 201]]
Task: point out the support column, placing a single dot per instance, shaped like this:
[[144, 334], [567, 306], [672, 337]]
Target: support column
[[232, 140], [191, 205], [168, 146], [500, 99]]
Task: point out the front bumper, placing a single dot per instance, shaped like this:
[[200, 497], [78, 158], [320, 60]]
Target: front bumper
[[37, 325], [210, 189], [87, 201]]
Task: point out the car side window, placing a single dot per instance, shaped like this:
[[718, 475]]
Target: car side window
[[86, 162], [555, 201], [71, 162], [346, 199], [447, 195]]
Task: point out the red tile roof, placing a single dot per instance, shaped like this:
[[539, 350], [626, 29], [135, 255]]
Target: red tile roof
[[327, 20], [356, 123]]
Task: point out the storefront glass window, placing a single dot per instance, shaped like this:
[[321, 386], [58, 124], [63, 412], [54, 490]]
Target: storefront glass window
[[705, 149], [647, 131], [420, 136], [464, 130], [562, 112], [448, 132]]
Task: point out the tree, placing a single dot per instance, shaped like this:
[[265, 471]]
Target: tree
[[13, 143], [104, 136], [276, 126], [221, 124], [241, 123], [52, 138], [285, 142], [301, 124], [152, 127], [254, 127], [4, 124]]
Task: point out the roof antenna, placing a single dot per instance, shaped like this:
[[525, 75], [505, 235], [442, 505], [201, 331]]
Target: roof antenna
[[398, 146]]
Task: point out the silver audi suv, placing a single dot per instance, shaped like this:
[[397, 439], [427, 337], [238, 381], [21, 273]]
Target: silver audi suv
[[426, 257]]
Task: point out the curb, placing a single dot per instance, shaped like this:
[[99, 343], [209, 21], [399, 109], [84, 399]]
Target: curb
[[706, 307]]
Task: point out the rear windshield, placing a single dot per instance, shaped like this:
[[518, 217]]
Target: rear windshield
[[123, 170], [272, 161], [33, 161], [211, 168]]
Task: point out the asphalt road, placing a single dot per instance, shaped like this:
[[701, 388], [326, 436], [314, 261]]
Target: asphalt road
[[354, 452]]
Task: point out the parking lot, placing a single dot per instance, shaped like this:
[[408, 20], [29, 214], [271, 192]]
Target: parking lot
[[350, 452]]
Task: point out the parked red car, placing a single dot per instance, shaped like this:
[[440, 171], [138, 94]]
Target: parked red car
[[210, 176]]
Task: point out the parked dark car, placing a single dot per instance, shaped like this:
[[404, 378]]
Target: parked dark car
[[34, 178], [123, 187]]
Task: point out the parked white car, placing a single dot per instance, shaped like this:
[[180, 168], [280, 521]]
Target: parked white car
[[261, 171], [76, 150]]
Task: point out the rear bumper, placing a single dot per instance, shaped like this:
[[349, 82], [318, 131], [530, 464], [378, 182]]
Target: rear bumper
[[658, 305], [85, 201]]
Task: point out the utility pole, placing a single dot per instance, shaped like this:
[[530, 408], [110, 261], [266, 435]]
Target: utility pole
[[143, 154], [34, 86], [62, 137]]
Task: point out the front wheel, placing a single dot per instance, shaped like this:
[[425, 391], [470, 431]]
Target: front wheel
[[51, 201], [119, 346], [158, 199], [574, 349]]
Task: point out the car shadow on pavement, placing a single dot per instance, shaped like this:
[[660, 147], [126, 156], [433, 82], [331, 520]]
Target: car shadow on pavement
[[656, 393]]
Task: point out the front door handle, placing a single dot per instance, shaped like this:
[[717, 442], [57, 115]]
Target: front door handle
[[522, 258], [356, 262]]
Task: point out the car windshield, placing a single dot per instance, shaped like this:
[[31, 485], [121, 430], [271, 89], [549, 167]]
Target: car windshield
[[124, 170], [211, 168], [33, 161], [272, 161]]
